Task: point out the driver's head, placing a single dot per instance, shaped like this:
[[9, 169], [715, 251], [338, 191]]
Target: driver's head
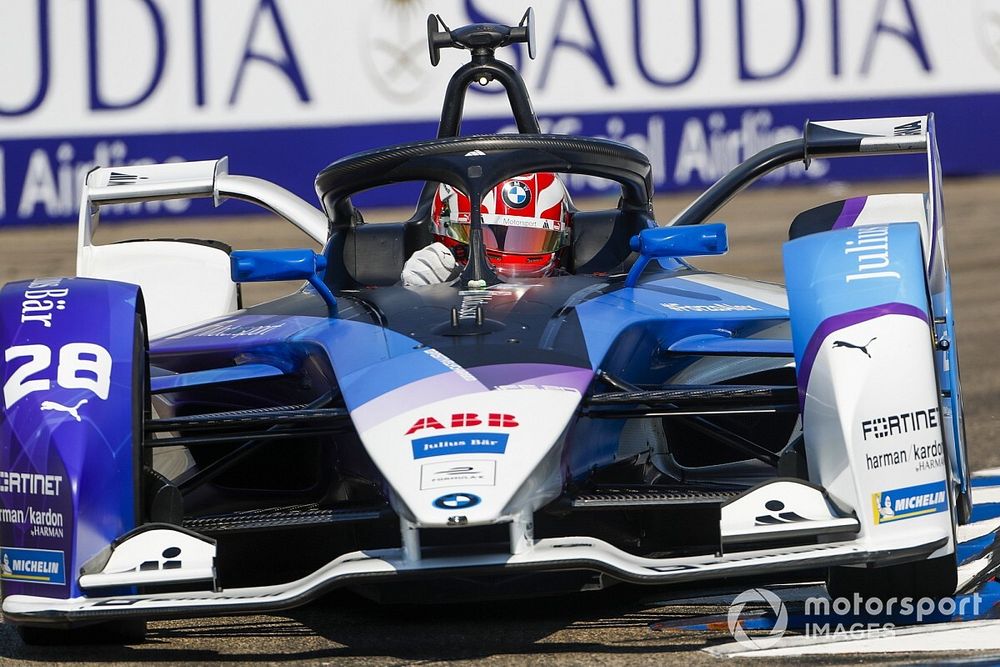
[[525, 223]]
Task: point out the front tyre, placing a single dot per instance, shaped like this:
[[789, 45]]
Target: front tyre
[[126, 631], [932, 578]]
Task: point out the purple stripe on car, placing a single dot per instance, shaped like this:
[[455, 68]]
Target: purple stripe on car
[[849, 214], [452, 385], [535, 374], [842, 321], [448, 384]]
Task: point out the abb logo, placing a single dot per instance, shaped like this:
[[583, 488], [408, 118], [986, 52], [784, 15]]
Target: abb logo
[[463, 419]]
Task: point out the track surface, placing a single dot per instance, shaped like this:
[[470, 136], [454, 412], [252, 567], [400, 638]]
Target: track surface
[[611, 627]]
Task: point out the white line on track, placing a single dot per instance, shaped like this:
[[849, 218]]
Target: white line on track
[[970, 636], [969, 570], [976, 530], [985, 495]]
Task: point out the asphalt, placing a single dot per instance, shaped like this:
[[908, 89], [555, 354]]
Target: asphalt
[[612, 627]]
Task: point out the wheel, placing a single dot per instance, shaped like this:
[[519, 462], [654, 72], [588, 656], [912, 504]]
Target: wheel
[[932, 578], [110, 632], [963, 505], [963, 499]]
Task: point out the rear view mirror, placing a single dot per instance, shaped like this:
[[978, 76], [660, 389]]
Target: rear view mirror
[[686, 241], [254, 266], [682, 241]]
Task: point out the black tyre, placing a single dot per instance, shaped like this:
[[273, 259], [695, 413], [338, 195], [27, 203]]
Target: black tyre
[[110, 632], [963, 506], [932, 578]]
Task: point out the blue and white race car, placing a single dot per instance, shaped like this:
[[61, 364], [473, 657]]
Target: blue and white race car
[[165, 452]]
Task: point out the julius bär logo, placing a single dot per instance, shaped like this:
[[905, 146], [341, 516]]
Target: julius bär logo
[[42, 297]]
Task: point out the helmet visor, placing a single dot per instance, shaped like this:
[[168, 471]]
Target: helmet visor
[[521, 234], [516, 234]]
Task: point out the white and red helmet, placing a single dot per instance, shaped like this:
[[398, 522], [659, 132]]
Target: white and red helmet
[[525, 223]]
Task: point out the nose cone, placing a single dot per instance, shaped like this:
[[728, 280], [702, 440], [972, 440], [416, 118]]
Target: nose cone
[[466, 459]]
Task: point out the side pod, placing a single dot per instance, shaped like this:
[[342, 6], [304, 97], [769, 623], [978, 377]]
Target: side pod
[[861, 329], [73, 379]]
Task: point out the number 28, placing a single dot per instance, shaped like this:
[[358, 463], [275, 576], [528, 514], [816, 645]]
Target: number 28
[[74, 358]]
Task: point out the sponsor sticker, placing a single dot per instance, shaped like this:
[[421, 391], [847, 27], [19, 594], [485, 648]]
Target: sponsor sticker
[[457, 501], [516, 194], [452, 473], [709, 308], [38, 566], [464, 420], [42, 522], [862, 348], [928, 457], [909, 502], [460, 443], [30, 483], [923, 457], [870, 248], [41, 299], [906, 422], [237, 329]]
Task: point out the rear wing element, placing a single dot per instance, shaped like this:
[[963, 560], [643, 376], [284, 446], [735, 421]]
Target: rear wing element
[[190, 180], [866, 136], [828, 139]]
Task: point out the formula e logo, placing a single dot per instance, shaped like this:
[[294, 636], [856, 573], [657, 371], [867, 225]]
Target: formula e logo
[[456, 501], [458, 473], [516, 194], [464, 419]]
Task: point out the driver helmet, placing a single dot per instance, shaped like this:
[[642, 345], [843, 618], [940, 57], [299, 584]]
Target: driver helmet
[[525, 223]]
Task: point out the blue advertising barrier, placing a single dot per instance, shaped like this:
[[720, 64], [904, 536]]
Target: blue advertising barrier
[[689, 150]]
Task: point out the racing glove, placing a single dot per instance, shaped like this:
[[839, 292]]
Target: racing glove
[[430, 266]]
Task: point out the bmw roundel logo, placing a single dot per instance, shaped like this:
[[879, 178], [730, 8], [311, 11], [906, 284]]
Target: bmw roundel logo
[[456, 501], [516, 194]]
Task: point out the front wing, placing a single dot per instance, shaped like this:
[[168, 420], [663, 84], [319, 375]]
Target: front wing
[[547, 555]]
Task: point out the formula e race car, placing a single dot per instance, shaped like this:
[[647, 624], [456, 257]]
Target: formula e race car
[[165, 452]]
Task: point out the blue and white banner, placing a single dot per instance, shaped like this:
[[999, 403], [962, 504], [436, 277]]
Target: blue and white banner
[[286, 87]]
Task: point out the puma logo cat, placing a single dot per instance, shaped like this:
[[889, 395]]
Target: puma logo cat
[[52, 405]]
